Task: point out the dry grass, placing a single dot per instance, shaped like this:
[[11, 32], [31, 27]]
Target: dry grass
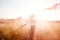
[[9, 32]]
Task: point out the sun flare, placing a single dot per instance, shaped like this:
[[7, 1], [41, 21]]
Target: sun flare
[[29, 19]]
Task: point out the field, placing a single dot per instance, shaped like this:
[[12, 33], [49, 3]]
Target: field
[[15, 29]]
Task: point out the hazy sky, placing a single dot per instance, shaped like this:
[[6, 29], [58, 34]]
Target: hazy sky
[[24, 8]]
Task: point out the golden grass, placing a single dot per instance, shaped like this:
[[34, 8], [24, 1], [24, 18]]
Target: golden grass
[[8, 31]]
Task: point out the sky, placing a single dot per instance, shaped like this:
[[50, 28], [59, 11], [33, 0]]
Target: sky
[[25, 8]]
